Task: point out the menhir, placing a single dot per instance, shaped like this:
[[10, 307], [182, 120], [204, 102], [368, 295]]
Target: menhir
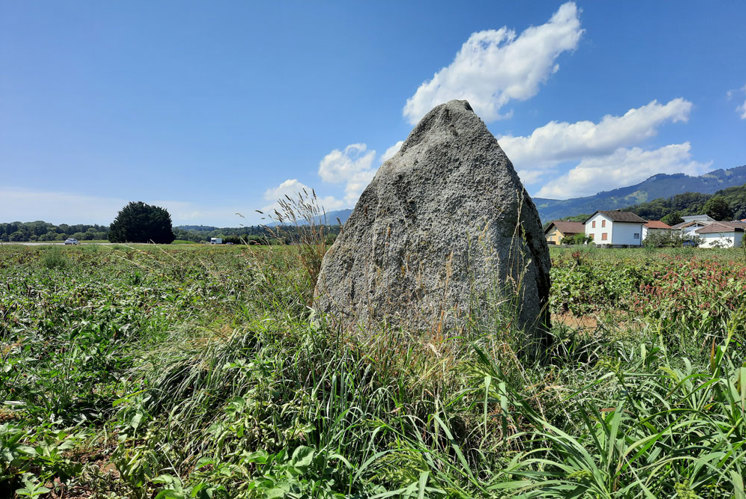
[[444, 235]]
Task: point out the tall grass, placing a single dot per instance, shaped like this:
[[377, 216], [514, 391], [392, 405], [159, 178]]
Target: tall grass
[[305, 214], [222, 383]]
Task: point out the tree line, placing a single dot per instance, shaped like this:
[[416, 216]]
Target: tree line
[[727, 204], [45, 231], [257, 234], [140, 222]]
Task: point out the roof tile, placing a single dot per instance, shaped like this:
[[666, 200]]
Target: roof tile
[[568, 227], [716, 227], [619, 216], [657, 224]]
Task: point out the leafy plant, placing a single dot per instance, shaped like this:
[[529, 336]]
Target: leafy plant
[[200, 372]]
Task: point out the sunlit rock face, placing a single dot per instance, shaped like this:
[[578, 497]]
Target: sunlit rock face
[[444, 234]]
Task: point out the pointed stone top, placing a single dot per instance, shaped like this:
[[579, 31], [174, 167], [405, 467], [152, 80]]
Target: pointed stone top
[[456, 103], [452, 118]]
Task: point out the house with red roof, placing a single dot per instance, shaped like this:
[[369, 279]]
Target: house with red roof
[[655, 227], [557, 230]]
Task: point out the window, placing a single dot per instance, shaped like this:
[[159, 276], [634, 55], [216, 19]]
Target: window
[[591, 235], [603, 223], [593, 224], [637, 235], [604, 236]]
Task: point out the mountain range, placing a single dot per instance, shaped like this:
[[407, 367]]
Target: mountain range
[[657, 186]]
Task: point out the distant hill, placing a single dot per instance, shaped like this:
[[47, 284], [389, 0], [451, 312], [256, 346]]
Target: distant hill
[[342, 215], [657, 186], [691, 203], [330, 219]]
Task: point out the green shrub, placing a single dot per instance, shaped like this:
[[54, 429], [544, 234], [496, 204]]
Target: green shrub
[[54, 259]]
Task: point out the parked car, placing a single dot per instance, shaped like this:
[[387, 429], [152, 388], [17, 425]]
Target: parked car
[[71, 240]]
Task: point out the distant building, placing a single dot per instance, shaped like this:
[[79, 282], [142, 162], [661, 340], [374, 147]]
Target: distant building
[[614, 228], [655, 227], [721, 235], [692, 223], [698, 218], [559, 229]]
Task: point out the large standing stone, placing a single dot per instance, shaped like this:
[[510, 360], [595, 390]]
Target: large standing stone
[[443, 232]]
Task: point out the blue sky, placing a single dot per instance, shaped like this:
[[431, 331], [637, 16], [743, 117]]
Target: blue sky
[[214, 108]]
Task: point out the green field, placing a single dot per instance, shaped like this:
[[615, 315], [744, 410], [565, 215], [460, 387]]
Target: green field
[[197, 371]]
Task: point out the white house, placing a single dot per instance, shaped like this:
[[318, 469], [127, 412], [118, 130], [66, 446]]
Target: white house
[[698, 218], [692, 223], [655, 227], [614, 228], [721, 235], [690, 228]]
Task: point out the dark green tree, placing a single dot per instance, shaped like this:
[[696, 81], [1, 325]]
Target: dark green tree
[[141, 223], [672, 218], [718, 208]]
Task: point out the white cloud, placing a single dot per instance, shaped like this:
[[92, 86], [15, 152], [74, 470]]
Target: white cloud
[[340, 166], [742, 108], [353, 166], [391, 151], [555, 142], [622, 167], [292, 188], [494, 67], [531, 176]]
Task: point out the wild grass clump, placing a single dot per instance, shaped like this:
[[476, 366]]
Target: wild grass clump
[[309, 239], [53, 259], [669, 430]]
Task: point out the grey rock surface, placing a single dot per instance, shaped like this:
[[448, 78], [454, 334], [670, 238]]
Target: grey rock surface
[[443, 232]]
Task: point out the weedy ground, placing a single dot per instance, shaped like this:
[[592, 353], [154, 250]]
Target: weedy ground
[[193, 371]]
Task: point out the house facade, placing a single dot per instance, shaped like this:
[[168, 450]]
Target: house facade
[[559, 229], [655, 227], [721, 235], [614, 228]]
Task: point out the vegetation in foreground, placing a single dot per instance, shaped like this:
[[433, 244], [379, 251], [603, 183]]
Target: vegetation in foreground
[[141, 371]]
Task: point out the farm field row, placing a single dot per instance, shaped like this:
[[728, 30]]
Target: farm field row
[[196, 371]]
